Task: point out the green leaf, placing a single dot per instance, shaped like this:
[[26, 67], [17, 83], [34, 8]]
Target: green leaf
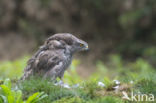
[[41, 96], [11, 99], [4, 99], [31, 98], [36, 97], [7, 82], [5, 90], [19, 96]]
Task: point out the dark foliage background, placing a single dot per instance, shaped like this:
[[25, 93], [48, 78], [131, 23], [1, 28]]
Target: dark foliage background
[[110, 26]]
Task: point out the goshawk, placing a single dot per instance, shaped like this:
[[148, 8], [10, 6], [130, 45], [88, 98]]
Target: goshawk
[[54, 57]]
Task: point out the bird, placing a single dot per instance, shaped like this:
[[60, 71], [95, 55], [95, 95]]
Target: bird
[[54, 57]]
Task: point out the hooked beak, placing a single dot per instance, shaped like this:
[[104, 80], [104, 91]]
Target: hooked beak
[[86, 48]]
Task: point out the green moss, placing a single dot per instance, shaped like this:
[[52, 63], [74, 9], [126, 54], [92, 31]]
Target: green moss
[[107, 99], [54, 92], [146, 86], [70, 100]]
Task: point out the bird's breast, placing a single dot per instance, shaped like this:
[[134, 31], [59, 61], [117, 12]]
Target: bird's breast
[[67, 61]]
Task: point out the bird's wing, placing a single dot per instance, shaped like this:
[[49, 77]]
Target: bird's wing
[[28, 71], [50, 64], [47, 63]]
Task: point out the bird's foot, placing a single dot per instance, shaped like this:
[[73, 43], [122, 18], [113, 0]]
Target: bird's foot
[[59, 82], [62, 84]]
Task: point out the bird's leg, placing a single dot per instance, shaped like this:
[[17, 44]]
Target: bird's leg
[[61, 76], [61, 79]]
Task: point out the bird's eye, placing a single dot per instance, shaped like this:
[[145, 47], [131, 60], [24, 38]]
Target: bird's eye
[[81, 45]]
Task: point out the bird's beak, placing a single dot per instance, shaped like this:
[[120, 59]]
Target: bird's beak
[[87, 48]]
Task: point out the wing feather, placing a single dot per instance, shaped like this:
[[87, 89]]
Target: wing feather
[[46, 63]]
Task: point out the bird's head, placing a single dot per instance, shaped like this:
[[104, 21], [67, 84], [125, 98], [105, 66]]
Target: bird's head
[[69, 41], [80, 45]]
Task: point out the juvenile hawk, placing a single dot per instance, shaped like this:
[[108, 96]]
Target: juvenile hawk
[[54, 57]]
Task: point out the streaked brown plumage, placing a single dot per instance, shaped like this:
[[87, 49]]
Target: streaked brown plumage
[[54, 57]]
